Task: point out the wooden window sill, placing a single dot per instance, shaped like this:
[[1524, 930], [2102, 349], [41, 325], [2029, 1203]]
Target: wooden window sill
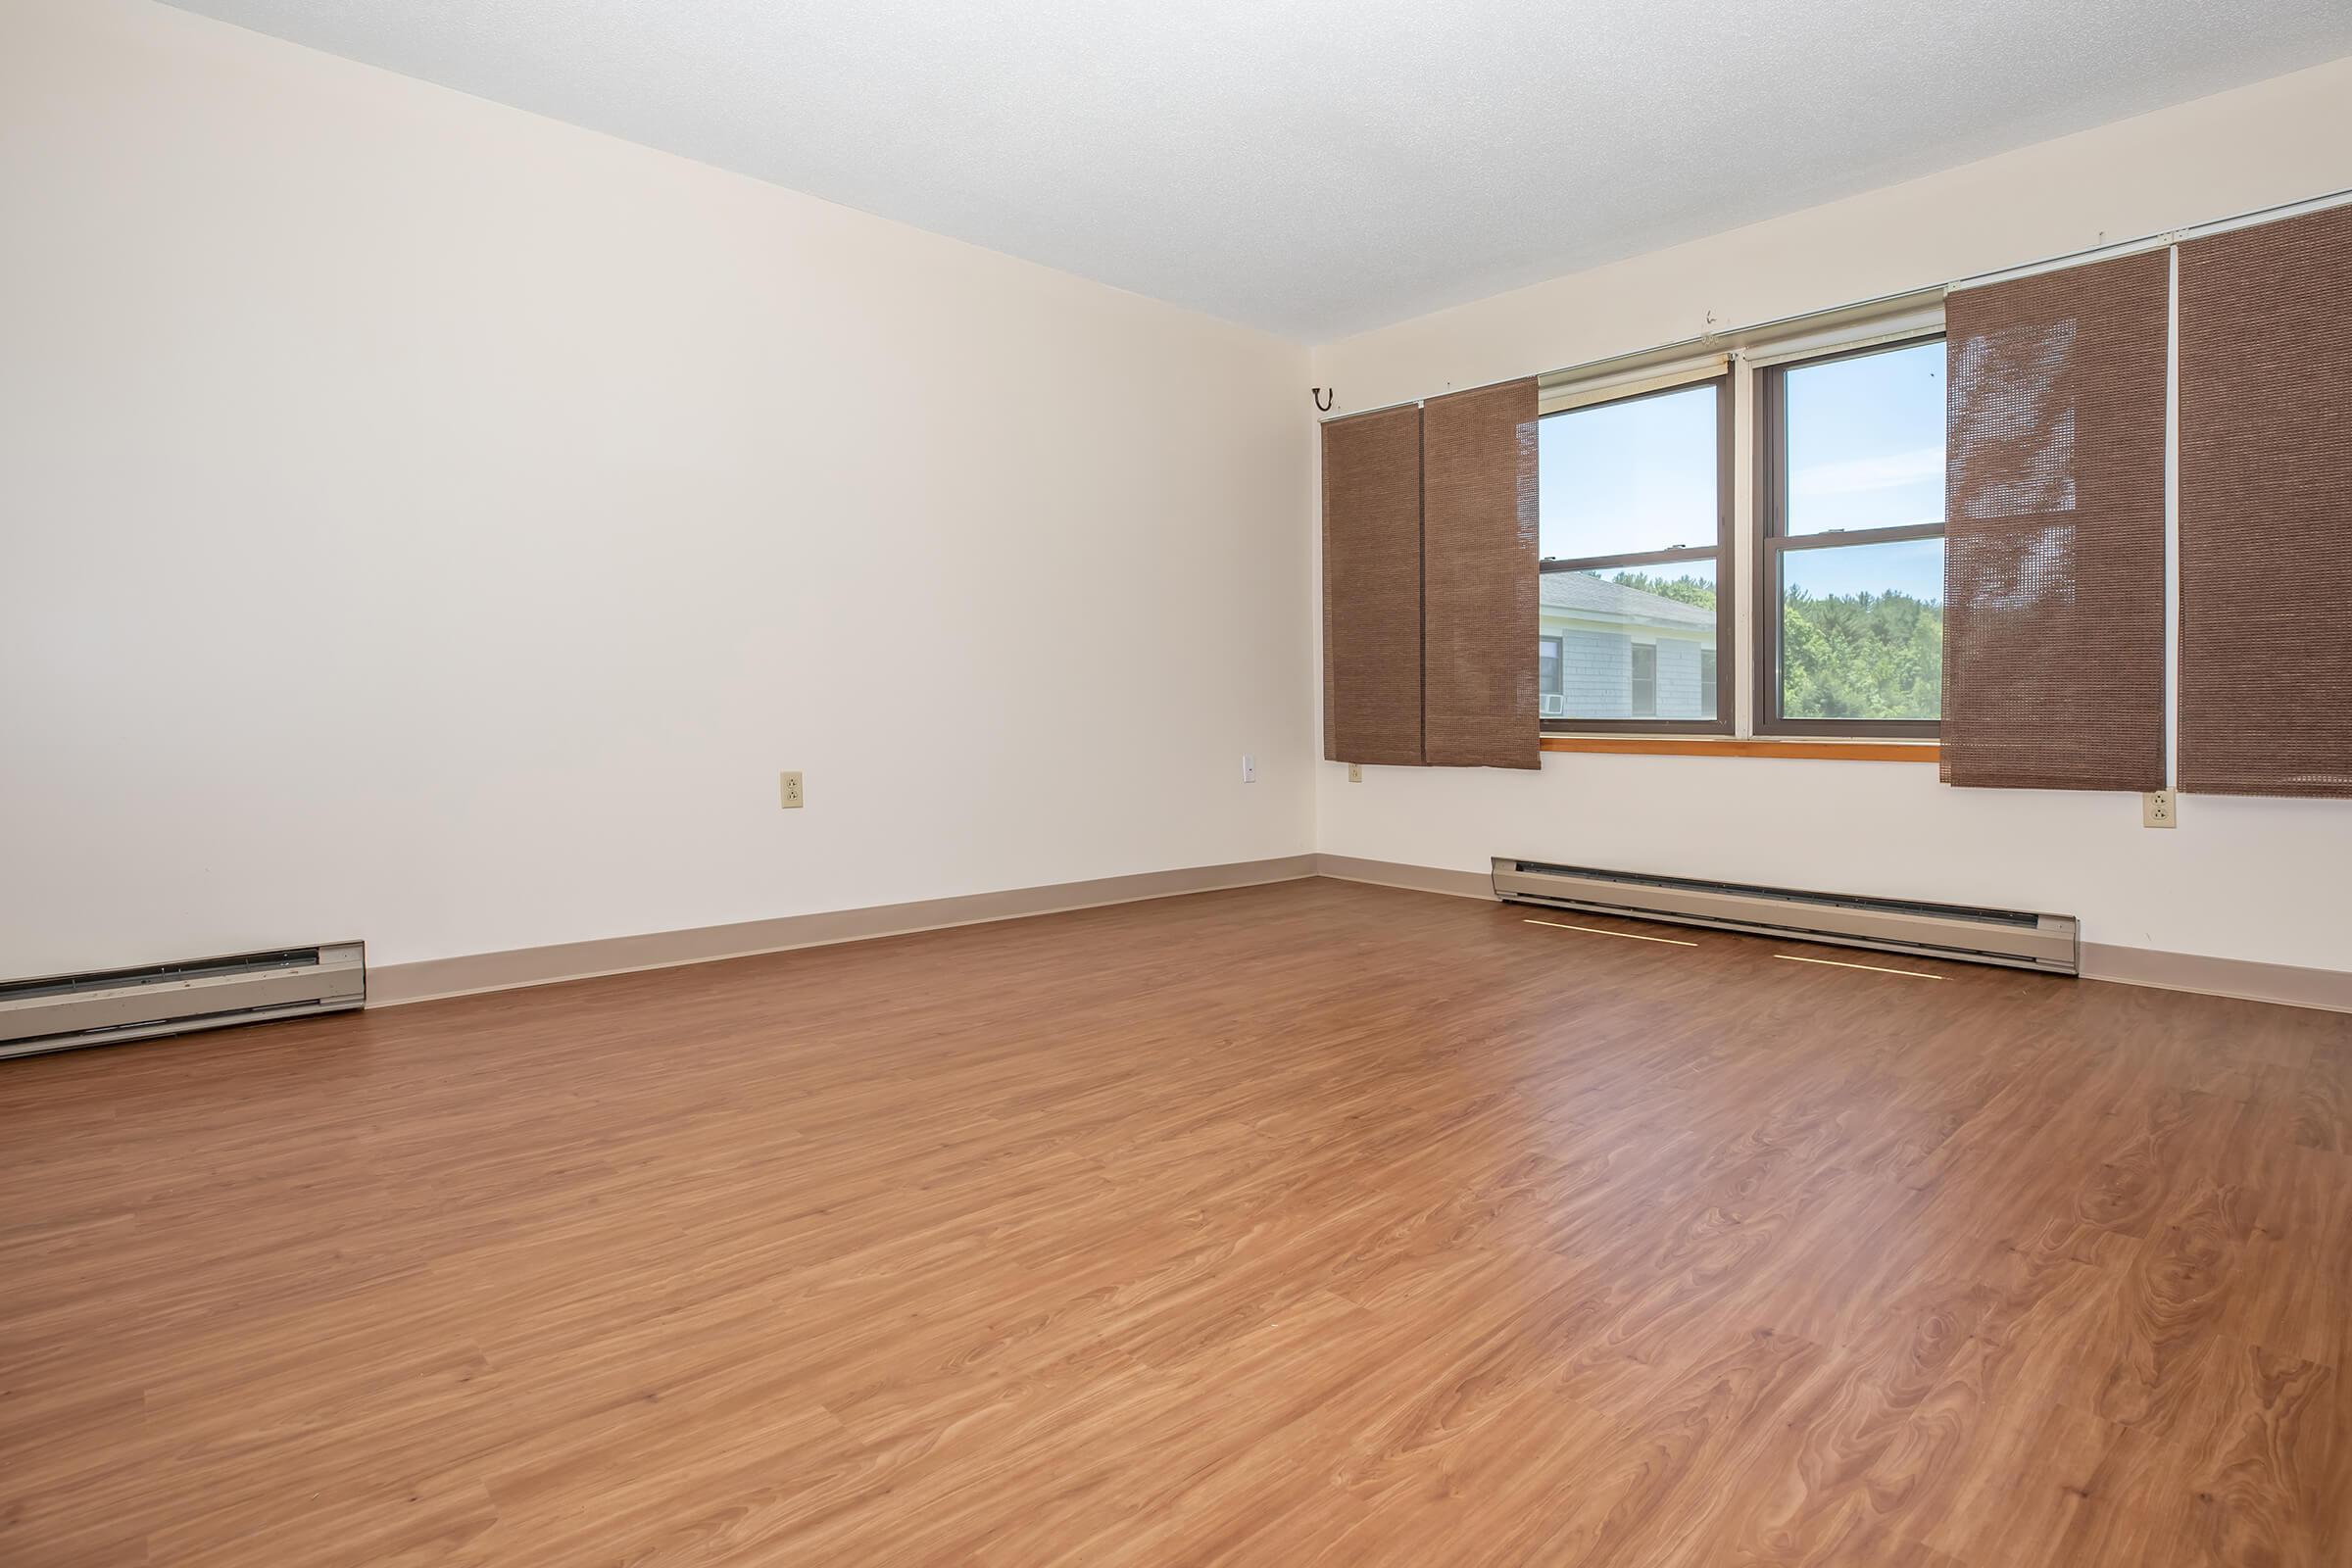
[[1726, 745]]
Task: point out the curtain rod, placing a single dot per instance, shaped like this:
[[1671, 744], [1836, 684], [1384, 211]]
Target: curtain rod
[[1713, 341], [2149, 242], [2076, 258]]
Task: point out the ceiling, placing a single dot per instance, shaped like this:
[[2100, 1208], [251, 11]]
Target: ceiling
[[1317, 168]]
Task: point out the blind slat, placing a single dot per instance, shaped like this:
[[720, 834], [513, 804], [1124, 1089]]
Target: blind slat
[[2053, 628], [2265, 509], [1480, 587], [1372, 587]]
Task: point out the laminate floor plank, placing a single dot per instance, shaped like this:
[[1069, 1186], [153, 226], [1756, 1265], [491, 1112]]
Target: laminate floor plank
[[1311, 1224]]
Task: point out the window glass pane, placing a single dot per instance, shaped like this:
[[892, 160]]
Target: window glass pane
[[1633, 639], [1862, 631], [1866, 440], [1706, 683], [1622, 478], [1547, 666]]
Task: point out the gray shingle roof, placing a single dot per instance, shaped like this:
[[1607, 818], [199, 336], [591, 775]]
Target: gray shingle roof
[[1580, 592]]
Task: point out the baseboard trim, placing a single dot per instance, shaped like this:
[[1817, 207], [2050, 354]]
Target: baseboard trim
[[2246, 979], [431, 979], [1397, 874]]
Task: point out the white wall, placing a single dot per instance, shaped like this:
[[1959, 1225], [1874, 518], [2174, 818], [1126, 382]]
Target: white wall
[[425, 523], [2234, 880]]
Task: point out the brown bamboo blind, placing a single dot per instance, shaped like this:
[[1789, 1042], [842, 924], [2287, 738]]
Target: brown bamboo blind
[[1372, 587], [2265, 509], [2053, 628], [1479, 582]]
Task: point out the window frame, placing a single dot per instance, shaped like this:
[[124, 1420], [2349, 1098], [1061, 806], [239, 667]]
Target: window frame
[[1726, 574], [1772, 541], [1635, 700], [1559, 666]]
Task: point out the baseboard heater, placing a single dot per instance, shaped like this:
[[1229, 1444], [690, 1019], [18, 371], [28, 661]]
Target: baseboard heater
[[63, 1011], [2049, 942]]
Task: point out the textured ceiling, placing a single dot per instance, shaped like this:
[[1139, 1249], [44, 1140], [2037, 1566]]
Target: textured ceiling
[[1319, 167]]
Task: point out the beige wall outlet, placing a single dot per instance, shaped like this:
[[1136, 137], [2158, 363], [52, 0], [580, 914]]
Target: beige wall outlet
[[1355, 772], [787, 790], [2156, 808]]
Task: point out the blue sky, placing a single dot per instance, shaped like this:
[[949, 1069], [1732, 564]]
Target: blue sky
[[1629, 476], [1866, 451]]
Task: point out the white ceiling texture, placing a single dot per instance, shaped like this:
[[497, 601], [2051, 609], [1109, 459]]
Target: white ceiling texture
[[1317, 168]]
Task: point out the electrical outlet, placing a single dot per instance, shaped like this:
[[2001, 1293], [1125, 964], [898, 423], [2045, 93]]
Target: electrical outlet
[[1249, 767], [788, 788], [2156, 810], [1355, 772]]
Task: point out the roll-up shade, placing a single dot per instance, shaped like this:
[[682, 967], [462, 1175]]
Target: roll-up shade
[[1480, 578], [1372, 587], [1627, 376], [2053, 555], [2265, 509], [1841, 331]]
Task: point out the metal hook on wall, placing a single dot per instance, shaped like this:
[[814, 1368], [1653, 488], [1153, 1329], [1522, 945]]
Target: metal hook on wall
[[1324, 398]]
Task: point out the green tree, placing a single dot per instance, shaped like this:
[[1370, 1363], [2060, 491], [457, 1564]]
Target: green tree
[[1843, 656], [1688, 590], [1861, 656]]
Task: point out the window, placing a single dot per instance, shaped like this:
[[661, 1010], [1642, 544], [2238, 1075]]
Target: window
[[1635, 519], [1850, 589]]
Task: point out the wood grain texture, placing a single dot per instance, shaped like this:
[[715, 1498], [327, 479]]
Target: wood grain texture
[[1308, 1224]]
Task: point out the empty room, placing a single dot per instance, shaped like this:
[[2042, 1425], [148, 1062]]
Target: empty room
[[1301, 784]]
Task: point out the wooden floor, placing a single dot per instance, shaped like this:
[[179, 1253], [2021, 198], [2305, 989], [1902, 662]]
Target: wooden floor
[[1311, 1224]]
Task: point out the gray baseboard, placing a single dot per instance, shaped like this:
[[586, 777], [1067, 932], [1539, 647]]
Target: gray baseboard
[[2249, 979], [1396, 874], [432, 978]]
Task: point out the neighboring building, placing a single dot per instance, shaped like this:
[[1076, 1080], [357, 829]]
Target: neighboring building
[[1613, 652]]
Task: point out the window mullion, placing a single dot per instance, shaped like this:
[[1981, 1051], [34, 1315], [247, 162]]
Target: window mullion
[[1647, 558], [1832, 539]]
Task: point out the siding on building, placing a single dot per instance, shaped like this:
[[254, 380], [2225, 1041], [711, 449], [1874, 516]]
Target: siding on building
[[1597, 673], [1678, 678]]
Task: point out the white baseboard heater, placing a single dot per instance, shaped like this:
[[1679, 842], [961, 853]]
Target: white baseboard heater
[[63, 1011], [2049, 942]]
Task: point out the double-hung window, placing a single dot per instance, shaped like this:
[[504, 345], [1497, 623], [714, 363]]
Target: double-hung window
[[1634, 600], [1849, 547]]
